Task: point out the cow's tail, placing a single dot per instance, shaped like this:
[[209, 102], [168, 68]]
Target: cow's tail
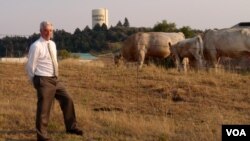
[[201, 50], [201, 46]]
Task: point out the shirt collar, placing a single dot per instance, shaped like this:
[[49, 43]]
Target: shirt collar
[[43, 40]]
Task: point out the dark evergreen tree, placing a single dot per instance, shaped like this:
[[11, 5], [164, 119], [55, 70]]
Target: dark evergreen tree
[[2, 49], [119, 24], [87, 29], [77, 31], [97, 27], [104, 27], [126, 22]]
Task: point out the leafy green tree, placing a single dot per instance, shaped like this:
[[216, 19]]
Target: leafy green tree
[[63, 54], [187, 31], [164, 26], [86, 46], [111, 36], [114, 46]]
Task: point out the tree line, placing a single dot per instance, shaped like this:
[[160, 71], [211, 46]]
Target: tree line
[[87, 40]]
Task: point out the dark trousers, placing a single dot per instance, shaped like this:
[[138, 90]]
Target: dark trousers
[[47, 89]]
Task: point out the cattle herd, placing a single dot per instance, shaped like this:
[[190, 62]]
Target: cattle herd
[[201, 51]]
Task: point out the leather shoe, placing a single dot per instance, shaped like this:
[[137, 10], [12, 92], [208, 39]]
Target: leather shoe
[[75, 131]]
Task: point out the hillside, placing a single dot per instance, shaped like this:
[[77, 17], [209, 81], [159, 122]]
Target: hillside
[[153, 104]]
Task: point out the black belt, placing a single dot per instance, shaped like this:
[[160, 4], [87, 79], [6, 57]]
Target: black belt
[[46, 76]]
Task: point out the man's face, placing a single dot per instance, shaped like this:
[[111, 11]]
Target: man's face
[[47, 32]]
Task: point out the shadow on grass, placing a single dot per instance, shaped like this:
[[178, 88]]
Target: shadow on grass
[[24, 132], [9, 139], [17, 132]]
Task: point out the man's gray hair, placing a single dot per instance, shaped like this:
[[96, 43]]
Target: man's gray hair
[[43, 24]]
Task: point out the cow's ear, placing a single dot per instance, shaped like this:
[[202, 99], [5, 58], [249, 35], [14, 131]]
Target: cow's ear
[[169, 44]]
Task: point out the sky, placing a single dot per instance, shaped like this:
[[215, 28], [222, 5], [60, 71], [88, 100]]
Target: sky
[[22, 17]]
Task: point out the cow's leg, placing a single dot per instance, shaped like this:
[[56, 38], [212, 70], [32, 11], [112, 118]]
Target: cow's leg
[[141, 55], [211, 58], [198, 61], [196, 58], [178, 63], [192, 62], [185, 64], [214, 61]]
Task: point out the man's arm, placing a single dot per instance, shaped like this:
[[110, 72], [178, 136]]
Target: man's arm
[[32, 61]]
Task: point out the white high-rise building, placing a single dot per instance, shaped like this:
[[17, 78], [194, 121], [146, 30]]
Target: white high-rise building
[[100, 16]]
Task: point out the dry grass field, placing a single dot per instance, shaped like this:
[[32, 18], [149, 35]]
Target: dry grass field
[[123, 104]]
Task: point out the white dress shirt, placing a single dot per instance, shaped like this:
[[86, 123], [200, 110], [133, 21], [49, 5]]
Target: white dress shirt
[[39, 59]]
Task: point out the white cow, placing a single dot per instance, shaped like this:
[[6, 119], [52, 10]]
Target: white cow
[[140, 45], [233, 43], [191, 48]]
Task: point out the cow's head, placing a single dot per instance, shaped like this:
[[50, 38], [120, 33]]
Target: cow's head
[[117, 58], [172, 49]]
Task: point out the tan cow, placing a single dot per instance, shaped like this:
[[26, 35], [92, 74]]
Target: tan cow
[[233, 43], [191, 48], [140, 45]]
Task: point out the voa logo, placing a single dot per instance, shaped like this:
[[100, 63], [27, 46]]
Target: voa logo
[[236, 132]]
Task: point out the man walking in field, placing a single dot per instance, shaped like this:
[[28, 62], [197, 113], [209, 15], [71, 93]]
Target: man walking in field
[[42, 69]]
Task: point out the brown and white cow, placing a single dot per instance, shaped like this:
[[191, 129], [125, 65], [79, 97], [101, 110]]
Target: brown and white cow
[[191, 48], [233, 43], [140, 45]]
